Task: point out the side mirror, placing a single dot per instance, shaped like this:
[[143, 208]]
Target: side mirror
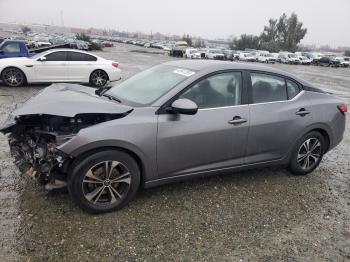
[[42, 59], [1, 52], [184, 106]]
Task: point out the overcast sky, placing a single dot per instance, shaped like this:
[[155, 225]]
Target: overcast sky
[[327, 21]]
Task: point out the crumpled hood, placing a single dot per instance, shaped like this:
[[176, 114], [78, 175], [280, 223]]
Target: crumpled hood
[[69, 100]]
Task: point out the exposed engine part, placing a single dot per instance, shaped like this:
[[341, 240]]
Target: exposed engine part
[[34, 139], [34, 154], [55, 184], [31, 172]]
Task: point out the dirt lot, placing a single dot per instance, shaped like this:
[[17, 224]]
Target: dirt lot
[[264, 215]]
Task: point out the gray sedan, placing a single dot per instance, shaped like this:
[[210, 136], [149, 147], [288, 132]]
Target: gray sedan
[[174, 121]]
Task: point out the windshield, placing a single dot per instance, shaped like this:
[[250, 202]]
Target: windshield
[[292, 55], [147, 86]]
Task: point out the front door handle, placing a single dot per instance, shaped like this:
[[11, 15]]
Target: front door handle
[[302, 112], [237, 120]]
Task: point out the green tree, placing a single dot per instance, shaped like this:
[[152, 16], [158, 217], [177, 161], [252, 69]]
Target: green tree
[[282, 30], [290, 32], [269, 37], [246, 41], [86, 38], [284, 33], [83, 37], [295, 34], [25, 29]]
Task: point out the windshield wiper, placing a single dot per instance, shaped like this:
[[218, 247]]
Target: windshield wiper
[[112, 97]]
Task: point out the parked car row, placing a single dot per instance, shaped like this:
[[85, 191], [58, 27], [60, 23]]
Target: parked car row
[[59, 65], [37, 41], [183, 50], [165, 45], [297, 58]]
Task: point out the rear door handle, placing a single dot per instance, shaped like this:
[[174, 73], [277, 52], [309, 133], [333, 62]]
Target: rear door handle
[[237, 120], [302, 112]]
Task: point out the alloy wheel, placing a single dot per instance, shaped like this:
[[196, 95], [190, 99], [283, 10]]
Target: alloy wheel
[[106, 183], [99, 78], [13, 77], [309, 153]]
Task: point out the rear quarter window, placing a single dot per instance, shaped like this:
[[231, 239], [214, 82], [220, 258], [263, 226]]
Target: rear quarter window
[[292, 89], [76, 56]]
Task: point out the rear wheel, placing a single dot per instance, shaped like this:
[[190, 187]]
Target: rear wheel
[[13, 77], [99, 78], [307, 153], [104, 181]]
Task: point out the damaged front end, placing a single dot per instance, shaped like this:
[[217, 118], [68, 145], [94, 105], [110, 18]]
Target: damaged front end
[[50, 119], [33, 141]]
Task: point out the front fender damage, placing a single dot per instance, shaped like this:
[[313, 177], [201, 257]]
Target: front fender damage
[[34, 140]]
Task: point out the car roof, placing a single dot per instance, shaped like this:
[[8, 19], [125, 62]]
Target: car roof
[[13, 40], [215, 65], [68, 50]]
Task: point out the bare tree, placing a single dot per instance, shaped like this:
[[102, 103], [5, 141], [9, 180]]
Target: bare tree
[[188, 39]]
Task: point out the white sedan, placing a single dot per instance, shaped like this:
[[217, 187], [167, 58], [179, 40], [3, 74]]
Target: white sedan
[[59, 65]]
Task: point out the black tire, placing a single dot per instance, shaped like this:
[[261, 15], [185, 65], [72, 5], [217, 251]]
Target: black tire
[[82, 185], [300, 165], [99, 78], [13, 77]]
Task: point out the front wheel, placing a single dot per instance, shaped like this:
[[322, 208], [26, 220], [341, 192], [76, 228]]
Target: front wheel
[[98, 78], [104, 181], [307, 153], [13, 77]]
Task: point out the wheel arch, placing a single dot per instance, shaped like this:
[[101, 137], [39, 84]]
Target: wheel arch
[[323, 129], [98, 69], [81, 154], [16, 67], [325, 135]]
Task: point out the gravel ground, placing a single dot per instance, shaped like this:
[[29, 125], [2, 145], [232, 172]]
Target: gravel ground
[[260, 215]]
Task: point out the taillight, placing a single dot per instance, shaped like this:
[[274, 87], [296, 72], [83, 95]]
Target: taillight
[[343, 108], [115, 64]]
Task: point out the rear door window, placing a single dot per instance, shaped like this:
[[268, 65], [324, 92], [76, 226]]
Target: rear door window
[[268, 88], [76, 56]]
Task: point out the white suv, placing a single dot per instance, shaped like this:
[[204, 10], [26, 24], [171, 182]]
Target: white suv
[[192, 53]]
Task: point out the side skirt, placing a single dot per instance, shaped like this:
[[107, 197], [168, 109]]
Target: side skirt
[[225, 170]]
